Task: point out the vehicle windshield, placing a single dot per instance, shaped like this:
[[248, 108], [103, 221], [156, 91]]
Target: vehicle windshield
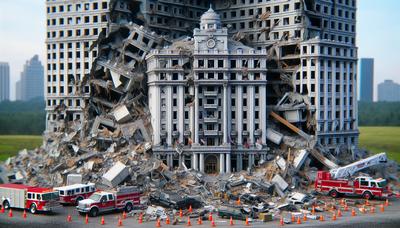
[[61, 192], [95, 197], [50, 196], [382, 184]]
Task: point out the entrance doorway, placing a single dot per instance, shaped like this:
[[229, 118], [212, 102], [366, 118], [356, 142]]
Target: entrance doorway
[[210, 164]]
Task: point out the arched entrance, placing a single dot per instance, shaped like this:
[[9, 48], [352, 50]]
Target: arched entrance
[[211, 164]]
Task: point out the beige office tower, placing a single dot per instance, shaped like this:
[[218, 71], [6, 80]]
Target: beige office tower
[[72, 27]]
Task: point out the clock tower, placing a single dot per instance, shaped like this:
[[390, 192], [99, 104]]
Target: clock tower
[[210, 35]]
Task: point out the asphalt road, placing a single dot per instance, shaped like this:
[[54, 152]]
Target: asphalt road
[[390, 218]]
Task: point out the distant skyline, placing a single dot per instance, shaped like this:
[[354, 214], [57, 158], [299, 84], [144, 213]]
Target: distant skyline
[[23, 30]]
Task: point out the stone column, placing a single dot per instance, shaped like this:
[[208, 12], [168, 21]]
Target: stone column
[[262, 97], [181, 112], [195, 162], [202, 162], [169, 115], [225, 115], [239, 111], [239, 161], [228, 163], [196, 115], [250, 160], [250, 113], [221, 163]]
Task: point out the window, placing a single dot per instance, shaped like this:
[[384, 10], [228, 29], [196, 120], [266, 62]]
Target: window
[[110, 197], [29, 195]]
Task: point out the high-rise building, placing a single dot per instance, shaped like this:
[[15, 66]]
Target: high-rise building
[[366, 79], [389, 91], [31, 83], [18, 90], [314, 42], [4, 81], [72, 27]]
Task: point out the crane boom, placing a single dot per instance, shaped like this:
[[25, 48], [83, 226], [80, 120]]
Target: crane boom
[[350, 169]]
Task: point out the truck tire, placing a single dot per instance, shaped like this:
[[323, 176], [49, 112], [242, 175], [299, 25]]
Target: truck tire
[[79, 198], [6, 204], [128, 207], [367, 195], [94, 212], [333, 193], [33, 209]]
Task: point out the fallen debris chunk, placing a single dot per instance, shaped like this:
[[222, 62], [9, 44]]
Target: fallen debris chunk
[[116, 175]]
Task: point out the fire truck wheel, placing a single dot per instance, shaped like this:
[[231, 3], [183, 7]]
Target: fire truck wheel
[[94, 212], [32, 208], [367, 195], [6, 204], [78, 199], [334, 193], [128, 207]]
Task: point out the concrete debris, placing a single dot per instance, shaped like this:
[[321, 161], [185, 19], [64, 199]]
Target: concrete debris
[[117, 128], [116, 175], [74, 179]]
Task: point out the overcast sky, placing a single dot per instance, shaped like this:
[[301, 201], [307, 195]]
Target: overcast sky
[[23, 30]]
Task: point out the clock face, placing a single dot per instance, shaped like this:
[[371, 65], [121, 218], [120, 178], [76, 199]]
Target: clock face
[[211, 43]]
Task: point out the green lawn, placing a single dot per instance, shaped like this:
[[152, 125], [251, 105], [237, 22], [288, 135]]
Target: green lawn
[[381, 139], [11, 144]]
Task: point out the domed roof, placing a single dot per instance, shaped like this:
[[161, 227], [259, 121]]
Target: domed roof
[[210, 15]]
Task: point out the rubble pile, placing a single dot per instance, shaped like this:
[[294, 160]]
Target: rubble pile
[[113, 146]]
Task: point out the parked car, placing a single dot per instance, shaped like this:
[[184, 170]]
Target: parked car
[[174, 200], [235, 213]]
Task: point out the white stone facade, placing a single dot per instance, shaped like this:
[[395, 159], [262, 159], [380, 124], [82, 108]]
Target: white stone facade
[[72, 27], [219, 121]]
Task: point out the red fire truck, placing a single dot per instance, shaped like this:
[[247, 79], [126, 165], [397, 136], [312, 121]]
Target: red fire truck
[[125, 198], [28, 197], [72, 194], [364, 186]]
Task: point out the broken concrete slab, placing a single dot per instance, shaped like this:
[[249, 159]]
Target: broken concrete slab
[[281, 183], [74, 179], [300, 159], [118, 173], [274, 136]]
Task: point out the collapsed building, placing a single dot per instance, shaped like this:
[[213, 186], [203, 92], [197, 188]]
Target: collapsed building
[[179, 89]]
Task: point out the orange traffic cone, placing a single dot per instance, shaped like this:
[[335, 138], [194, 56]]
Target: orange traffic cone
[[199, 222], [190, 209], [387, 202], [238, 201], [339, 213], [372, 209], [281, 222], [213, 223], [298, 220], [103, 222], [180, 213], [24, 215], [313, 210], [382, 208], [120, 221], [69, 218], [246, 222], [2, 210], [87, 219], [334, 217], [10, 214], [304, 217], [231, 221], [321, 218], [158, 223], [293, 218], [210, 218], [353, 212], [167, 221], [124, 215], [189, 223], [346, 208], [367, 202], [140, 218]]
